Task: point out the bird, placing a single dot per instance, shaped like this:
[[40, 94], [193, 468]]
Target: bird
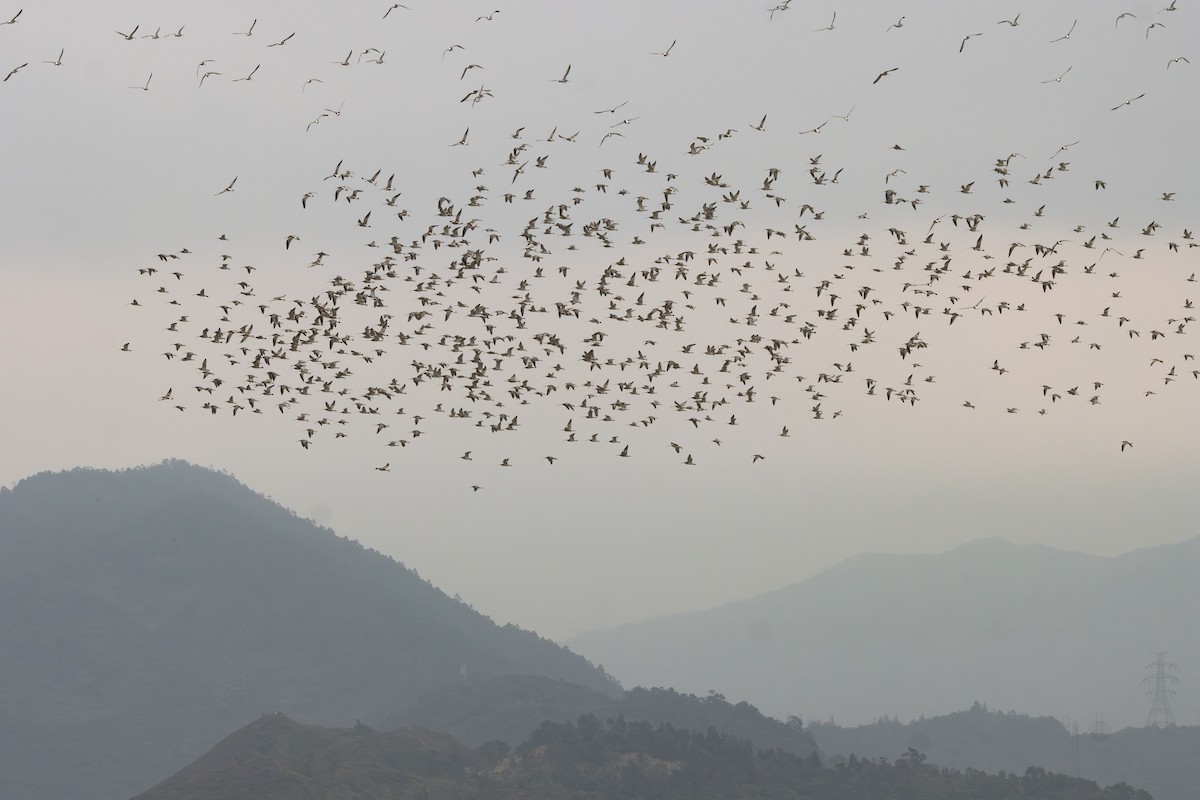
[[880, 76], [228, 188], [612, 110], [144, 87], [463, 140], [14, 71], [563, 79], [1059, 78], [897, 24], [1176, 60], [249, 31], [762, 124], [250, 76], [283, 41], [58, 62], [15, 17], [1012, 23], [829, 27], [666, 52], [1066, 35], [393, 7], [963, 43], [129, 36], [1129, 101], [1125, 443]]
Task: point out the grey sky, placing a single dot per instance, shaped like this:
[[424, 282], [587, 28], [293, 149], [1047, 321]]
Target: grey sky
[[100, 177]]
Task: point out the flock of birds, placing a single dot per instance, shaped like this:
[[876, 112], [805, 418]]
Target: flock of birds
[[650, 306]]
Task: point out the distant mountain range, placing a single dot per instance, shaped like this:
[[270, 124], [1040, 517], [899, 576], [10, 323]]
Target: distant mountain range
[[1013, 626], [1163, 761], [146, 613]]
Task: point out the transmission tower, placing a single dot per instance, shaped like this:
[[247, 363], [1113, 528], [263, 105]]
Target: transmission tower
[[1160, 709]]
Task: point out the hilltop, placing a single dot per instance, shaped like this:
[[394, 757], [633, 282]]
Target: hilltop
[[145, 613], [276, 758]]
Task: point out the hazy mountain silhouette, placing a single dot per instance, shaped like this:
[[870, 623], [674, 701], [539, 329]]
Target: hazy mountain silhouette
[[146, 613], [511, 707], [1014, 626], [278, 758], [1163, 761], [275, 758]]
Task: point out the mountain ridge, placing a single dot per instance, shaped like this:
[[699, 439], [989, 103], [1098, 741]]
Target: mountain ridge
[[913, 634], [148, 611]]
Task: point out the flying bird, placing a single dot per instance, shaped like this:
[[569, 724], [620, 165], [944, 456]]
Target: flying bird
[[1127, 102], [666, 52], [1066, 35]]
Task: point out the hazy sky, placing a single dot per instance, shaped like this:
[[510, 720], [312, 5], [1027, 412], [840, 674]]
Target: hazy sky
[[105, 167]]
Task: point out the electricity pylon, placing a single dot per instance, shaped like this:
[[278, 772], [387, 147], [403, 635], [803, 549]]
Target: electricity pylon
[[1160, 709]]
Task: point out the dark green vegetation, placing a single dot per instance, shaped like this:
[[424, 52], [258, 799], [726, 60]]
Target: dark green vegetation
[[144, 614], [509, 708], [1163, 761], [278, 759], [1012, 626]]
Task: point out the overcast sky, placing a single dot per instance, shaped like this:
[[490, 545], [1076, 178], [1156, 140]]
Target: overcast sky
[[118, 154]]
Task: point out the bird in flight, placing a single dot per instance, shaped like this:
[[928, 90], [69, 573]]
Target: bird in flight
[[963, 43], [247, 32], [880, 76], [228, 188], [58, 62], [250, 76], [1127, 102], [563, 79], [13, 21], [666, 52], [129, 36], [1066, 35], [612, 110], [1059, 78], [14, 71], [146, 86], [393, 7]]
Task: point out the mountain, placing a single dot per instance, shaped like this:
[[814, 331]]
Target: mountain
[[1163, 761], [510, 707], [145, 613], [1012, 626], [276, 758]]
